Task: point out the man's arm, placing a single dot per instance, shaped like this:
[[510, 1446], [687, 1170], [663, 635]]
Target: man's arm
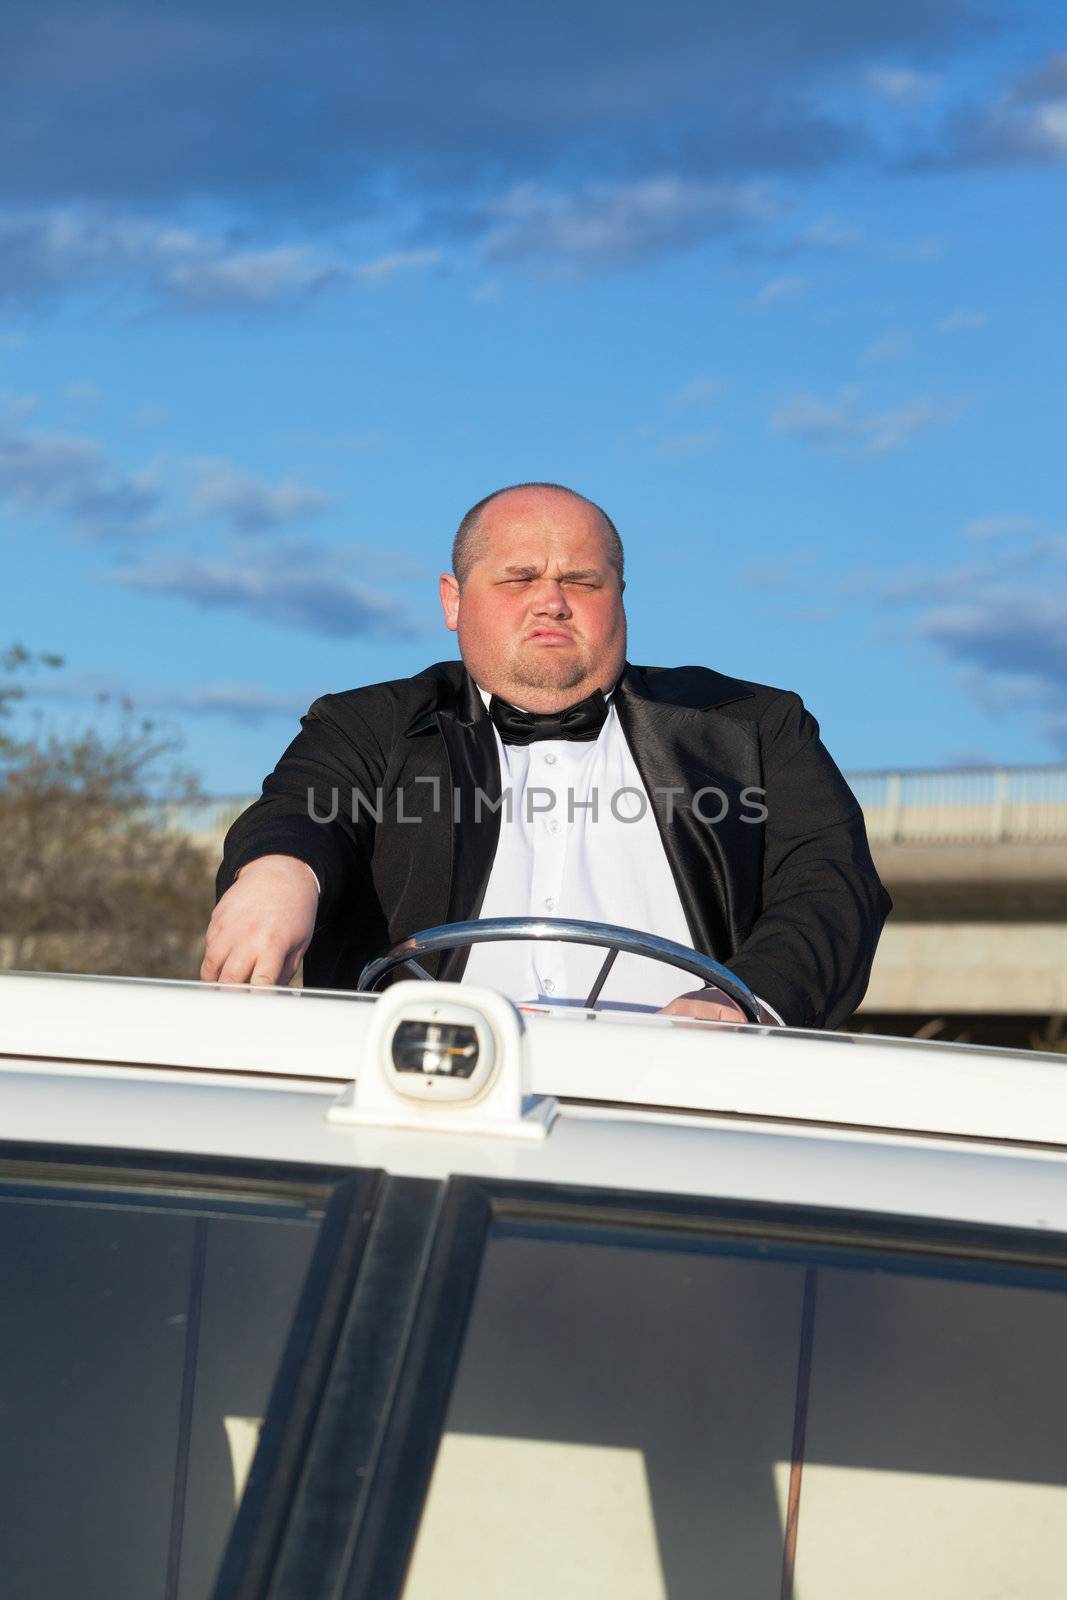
[[262, 924], [810, 951], [298, 853]]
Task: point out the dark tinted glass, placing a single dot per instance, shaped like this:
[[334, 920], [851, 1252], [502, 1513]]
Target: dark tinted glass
[[653, 1416], [140, 1333]]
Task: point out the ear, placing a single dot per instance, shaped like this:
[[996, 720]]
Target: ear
[[450, 600]]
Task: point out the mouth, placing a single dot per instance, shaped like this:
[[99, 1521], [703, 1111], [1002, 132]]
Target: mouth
[[549, 636]]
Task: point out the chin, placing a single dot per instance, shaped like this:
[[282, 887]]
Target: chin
[[550, 674]]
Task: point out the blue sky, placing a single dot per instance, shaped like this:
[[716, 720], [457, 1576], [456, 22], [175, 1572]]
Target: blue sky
[[284, 289]]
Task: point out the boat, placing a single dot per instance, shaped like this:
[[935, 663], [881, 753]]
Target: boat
[[419, 1293]]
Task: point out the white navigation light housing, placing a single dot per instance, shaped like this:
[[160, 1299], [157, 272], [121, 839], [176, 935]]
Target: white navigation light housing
[[441, 1051], [446, 1056]]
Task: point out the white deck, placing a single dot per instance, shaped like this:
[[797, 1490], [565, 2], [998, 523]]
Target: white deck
[[914, 1086]]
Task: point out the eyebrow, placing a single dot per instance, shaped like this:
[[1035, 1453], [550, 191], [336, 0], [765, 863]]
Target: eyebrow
[[535, 572]]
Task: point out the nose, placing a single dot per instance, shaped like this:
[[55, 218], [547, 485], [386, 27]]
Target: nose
[[549, 599]]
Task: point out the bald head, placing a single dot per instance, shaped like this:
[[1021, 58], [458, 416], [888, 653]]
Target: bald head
[[536, 596], [469, 541]]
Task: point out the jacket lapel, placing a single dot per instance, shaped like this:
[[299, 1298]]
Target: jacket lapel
[[474, 801], [695, 763]]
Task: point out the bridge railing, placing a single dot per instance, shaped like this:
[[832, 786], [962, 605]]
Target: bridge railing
[[964, 805]]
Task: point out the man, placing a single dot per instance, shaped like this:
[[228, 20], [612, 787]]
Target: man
[[394, 808]]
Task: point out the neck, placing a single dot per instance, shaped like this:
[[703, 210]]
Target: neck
[[542, 700], [521, 705], [539, 704]]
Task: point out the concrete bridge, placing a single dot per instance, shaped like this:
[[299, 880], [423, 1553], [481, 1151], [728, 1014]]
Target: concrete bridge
[[976, 862]]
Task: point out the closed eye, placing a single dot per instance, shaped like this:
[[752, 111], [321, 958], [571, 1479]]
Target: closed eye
[[578, 581]]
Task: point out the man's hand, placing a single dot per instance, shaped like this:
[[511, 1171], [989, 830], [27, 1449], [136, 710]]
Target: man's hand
[[263, 923], [712, 1005], [708, 1004]]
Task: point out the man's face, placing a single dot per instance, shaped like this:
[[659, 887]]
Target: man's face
[[540, 615]]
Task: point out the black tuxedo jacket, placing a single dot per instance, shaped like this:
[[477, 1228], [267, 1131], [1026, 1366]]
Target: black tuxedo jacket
[[387, 794]]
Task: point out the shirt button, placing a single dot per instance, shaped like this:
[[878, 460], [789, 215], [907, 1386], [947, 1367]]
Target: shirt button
[[550, 904], [555, 825], [550, 758], [548, 986]]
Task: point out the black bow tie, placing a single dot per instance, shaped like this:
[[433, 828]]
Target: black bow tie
[[583, 721]]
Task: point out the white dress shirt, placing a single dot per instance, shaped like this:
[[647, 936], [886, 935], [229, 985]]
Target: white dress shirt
[[579, 839]]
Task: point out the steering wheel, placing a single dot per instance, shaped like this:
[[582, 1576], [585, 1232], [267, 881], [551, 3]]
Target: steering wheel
[[560, 930]]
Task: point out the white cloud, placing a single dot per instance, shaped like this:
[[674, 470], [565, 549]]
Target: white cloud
[[900, 86], [18, 407], [1050, 125], [844, 424], [792, 573], [1017, 640], [963, 320], [44, 473], [789, 287], [248, 505], [150, 415], [831, 233], [353, 443], [892, 346], [1038, 101], [52, 251], [922, 584], [696, 393], [358, 443], [982, 528], [1000, 619], [382, 268], [1025, 124], [683, 446], [202, 274], [303, 586], [83, 392], [614, 225], [49, 252], [244, 703], [921, 251]]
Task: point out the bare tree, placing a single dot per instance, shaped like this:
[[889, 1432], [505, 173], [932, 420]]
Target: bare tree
[[93, 875]]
